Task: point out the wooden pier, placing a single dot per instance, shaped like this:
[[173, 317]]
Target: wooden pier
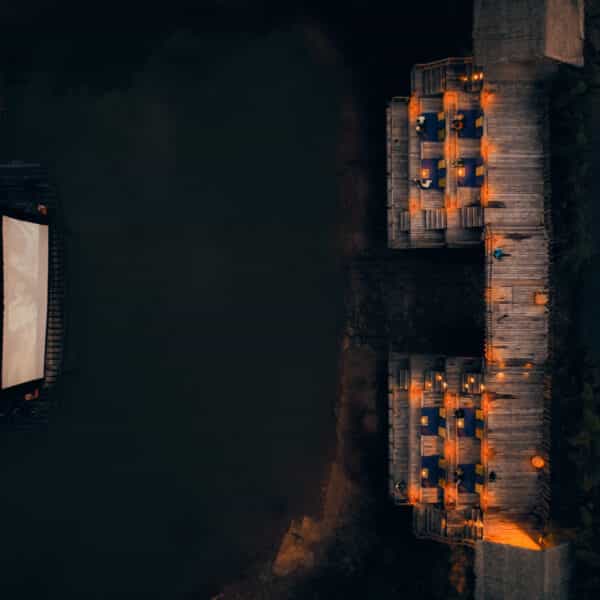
[[468, 164]]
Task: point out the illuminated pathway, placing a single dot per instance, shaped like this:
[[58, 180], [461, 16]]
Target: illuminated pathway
[[468, 164]]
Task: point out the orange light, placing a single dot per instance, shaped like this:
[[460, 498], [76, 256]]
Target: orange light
[[540, 298], [460, 423], [450, 99], [471, 379], [424, 173], [413, 108], [444, 385], [483, 193], [413, 494], [485, 402], [424, 420], [500, 375], [428, 384], [424, 473], [512, 535], [461, 171], [450, 202], [438, 377], [484, 501], [537, 462], [448, 400], [481, 387], [487, 99]]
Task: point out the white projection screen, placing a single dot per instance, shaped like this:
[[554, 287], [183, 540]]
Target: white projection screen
[[25, 273]]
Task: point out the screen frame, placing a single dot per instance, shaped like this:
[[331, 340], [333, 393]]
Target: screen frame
[[20, 389]]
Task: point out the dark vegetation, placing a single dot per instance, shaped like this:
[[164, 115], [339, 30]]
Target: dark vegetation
[[576, 366], [376, 565]]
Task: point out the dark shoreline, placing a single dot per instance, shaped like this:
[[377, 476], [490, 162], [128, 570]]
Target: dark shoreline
[[576, 361]]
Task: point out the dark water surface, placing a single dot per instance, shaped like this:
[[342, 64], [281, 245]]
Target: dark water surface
[[204, 310], [196, 159]]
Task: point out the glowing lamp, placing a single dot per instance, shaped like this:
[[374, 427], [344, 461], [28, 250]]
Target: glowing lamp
[[482, 387], [466, 386], [429, 384], [461, 171], [540, 298], [424, 420], [537, 462], [424, 173], [460, 423], [444, 385], [438, 377], [471, 379], [500, 375], [424, 473]]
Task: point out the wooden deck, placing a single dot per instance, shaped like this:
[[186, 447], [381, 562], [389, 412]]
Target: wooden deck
[[436, 88], [438, 512], [517, 324], [398, 420], [509, 213], [507, 31], [397, 170]]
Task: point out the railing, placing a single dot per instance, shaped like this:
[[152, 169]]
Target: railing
[[433, 74], [431, 523]]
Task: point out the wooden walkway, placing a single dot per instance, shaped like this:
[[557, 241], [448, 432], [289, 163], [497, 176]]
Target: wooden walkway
[[513, 212], [517, 321]]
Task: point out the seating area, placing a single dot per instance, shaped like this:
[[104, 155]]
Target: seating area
[[431, 127], [469, 422], [469, 478], [468, 123], [470, 172], [433, 174], [433, 471], [433, 421]]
